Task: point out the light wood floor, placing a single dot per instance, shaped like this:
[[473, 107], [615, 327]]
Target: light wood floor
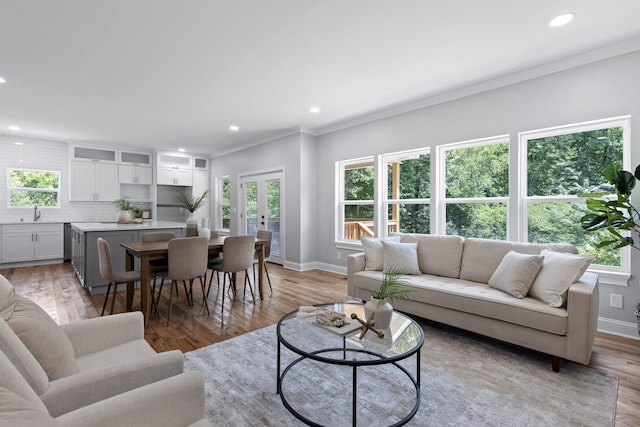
[[56, 289]]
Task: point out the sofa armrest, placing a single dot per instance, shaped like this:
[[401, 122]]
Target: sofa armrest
[[82, 389], [175, 401], [355, 263], [582, 311], [99, 333]]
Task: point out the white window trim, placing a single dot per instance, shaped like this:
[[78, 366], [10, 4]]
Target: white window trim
[[43, 190], [610, 275], [340, 202], [219, 204], [439, 191]]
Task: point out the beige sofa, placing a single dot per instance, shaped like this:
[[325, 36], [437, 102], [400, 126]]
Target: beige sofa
[[453, 289]]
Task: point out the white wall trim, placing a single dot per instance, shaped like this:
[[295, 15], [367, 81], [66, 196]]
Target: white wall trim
[[618, 327], [332, 268]]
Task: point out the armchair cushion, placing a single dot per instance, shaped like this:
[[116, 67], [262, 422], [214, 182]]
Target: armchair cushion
[[42, 336], [16, 411], [22, 359]]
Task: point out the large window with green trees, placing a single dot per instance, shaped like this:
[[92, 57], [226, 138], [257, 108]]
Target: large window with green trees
[[27, 187], [224, 203], [355, 199], [474, 188], [560, 163], [407, 191]]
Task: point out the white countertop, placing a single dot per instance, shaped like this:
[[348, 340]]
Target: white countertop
[[113, 226]]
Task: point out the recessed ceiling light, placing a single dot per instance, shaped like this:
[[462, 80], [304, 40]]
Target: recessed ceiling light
[[182, 150], [16, 128], [2, 80], [314, 109], [19, 143], [234, 128], [561, 20]]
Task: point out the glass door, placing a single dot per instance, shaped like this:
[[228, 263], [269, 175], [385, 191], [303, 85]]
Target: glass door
[[262, 208]]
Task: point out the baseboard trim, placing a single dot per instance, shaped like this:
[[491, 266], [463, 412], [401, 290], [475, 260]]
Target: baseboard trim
[[618, 327], [299, 267], [332, 268]]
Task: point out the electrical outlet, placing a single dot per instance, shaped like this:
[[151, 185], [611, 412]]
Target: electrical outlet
[[615, 300], [339, 255]]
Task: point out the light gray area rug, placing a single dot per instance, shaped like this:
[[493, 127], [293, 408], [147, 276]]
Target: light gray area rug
[[466, 380]]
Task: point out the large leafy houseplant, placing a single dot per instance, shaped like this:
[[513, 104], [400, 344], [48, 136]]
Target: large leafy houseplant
[[191, 204], [615, 215]]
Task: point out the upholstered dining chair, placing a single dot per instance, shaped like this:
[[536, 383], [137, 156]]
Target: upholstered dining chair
[[106, 271], [263, 234], [188, 258], [237, 255], [159, 267], [213, 258]]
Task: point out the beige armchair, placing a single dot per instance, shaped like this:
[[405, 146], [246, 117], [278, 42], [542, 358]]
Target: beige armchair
[[77, 364], [174, 401]]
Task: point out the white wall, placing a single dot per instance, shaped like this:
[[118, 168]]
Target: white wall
[[600, 90]]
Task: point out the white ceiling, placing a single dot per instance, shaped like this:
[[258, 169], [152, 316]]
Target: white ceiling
[[164, 74]]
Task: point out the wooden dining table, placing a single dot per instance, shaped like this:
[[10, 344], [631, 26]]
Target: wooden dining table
[[147, 251]]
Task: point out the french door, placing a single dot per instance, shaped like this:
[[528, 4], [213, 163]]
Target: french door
[[262, 209]]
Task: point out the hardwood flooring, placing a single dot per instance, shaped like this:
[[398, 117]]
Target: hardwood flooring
[[56, 290]]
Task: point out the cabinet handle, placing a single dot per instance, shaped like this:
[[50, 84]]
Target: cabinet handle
[[36, 237]]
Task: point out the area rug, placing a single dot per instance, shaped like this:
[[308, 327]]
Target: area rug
[[466, 380]]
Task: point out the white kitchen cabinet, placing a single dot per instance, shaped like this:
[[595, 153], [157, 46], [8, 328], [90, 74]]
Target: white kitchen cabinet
[[92, 154], [175, 160], [132, 174], [32, 242], [175, 176], [94, 181], [135, 158]]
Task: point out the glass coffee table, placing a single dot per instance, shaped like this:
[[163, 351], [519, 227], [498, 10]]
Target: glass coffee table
[[316, 380]]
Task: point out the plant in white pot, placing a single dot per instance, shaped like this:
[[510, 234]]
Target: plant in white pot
[[191, 204], [125, 209], [392, 286]]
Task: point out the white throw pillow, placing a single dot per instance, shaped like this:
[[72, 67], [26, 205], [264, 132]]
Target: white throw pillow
[[516, 273], [401, 257], [558, 272], [373, 252]]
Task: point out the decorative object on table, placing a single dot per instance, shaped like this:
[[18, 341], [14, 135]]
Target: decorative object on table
[[614, 215], [336, 322], [146, 213], [191, 204], [125, 209], [392, 286], [366, 325], [205, 228]]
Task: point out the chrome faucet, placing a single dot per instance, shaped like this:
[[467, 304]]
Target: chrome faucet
[[36, 214]]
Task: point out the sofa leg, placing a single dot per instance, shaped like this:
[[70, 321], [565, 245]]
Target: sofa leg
[[555, 363]]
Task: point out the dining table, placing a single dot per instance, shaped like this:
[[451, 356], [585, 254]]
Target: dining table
[[147, 251]]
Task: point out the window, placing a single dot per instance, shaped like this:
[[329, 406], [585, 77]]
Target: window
[[557, 165], [355, 199], [407, 191], [224, 203], [474, 188], [28, 187]]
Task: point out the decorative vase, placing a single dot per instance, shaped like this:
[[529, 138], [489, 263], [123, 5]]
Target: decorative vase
[[205, 228], [383, 311], [124, 216], [192, 226]]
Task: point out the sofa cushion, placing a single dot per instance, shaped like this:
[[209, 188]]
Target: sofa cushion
[[22, 359], [481, 257], [401, 257], [373, 251], [439, 255], [16, 411], [516, 273], [558, 272], [42, 336], [475, 298]]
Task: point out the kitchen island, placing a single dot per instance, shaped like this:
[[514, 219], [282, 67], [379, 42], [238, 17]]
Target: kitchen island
[[85, 247]]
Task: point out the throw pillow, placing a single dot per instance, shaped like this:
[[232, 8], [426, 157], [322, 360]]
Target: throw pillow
[[402, 257], [516, 273], [43, 337], [373, 251], [559, 271]]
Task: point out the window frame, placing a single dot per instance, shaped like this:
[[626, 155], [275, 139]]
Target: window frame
[[610, 274], [10, 189], [340, 168]]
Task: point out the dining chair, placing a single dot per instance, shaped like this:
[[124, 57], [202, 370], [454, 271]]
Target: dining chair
[[237, 255], [106, 271], [267, 235], [187, 261], [159, 267], [213, 258]]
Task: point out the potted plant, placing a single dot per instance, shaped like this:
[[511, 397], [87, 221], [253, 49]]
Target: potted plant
[[392, 286], [191, 204], [615, 215], [125, 208]]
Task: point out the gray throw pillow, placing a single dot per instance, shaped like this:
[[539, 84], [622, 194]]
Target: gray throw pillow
[[516, 273], [373, 252], [401, 257]]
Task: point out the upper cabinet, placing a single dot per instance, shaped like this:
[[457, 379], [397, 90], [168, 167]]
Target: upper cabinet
[[200, 163], [174, 169], [175, 160], [94, 174], [91, 154], [134, 158]]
